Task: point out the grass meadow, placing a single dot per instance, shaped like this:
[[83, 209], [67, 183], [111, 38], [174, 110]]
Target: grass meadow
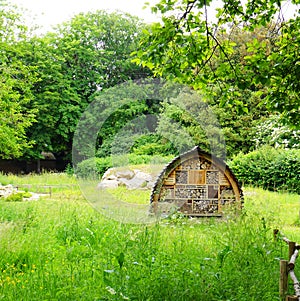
[[60, 248]]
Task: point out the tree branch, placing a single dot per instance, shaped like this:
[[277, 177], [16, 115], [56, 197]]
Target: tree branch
[[188, 9], [224, 52]]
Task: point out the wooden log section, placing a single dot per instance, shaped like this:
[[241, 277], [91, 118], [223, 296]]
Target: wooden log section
[[292, 248], [287, 268], [293, 258], [295, 283], [285, 239]]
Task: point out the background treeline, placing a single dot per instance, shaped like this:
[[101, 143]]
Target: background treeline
[[246, 73], [48, 80]]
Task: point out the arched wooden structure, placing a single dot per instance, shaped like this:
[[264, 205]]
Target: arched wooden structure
[[197, 184]]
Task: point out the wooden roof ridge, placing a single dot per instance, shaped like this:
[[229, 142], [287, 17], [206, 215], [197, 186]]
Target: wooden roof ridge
[[180, 158]]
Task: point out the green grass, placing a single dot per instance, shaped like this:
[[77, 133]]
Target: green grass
[[135, 196], [60, 248], [46, 178]]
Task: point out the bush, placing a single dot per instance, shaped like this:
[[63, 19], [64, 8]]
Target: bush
[[93, 167], [15, 197], [26, 194], [96, 167], [153, 144], [269, 168]]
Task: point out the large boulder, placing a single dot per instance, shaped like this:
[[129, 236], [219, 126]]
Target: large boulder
[[108, 183], [132, 179], [7, 190], [125, 174]]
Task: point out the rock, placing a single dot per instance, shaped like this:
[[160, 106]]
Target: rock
[[106, 183], [7, 190], [132, 179], [112, 177], [142, 175], [134, 183], [108, 173], [126, 174]]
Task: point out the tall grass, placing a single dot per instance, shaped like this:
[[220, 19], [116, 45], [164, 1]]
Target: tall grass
[[46, 178], [60, 248], [41, 182]]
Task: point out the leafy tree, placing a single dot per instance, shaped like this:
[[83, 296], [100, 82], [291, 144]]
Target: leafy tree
[[238, 111], [58, 104], [273, 132], [96, 47], [113, 121], [190, 48], [89, 53], [285, 73], [16, 80]]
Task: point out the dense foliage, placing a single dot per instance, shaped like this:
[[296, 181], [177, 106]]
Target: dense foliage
[[96, 167], [89, 53], [273, 132], [270, 168], [191, 47], [244, 64], [48, 80], [16, 82]]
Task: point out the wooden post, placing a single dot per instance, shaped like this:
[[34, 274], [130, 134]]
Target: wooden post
[[292, 247], [38, 166], [155, 204], [283, 283]]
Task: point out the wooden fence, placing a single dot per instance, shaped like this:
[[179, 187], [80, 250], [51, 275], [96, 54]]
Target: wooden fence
[[287, 269], [44, 189]]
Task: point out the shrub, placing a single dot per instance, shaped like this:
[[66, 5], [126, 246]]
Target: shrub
[[269, 168], [69, 170], [274, 133], [15, 197], [153, 144], [26, 194], [96, 167], [93, 167]]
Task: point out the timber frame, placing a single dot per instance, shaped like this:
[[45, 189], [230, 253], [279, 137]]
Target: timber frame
[[196, 184]]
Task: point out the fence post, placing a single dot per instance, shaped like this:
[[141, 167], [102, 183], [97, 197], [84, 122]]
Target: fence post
[[292, 247], [283, 282]]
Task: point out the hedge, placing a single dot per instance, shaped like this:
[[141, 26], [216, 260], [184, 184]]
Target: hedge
[[269, 168]]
